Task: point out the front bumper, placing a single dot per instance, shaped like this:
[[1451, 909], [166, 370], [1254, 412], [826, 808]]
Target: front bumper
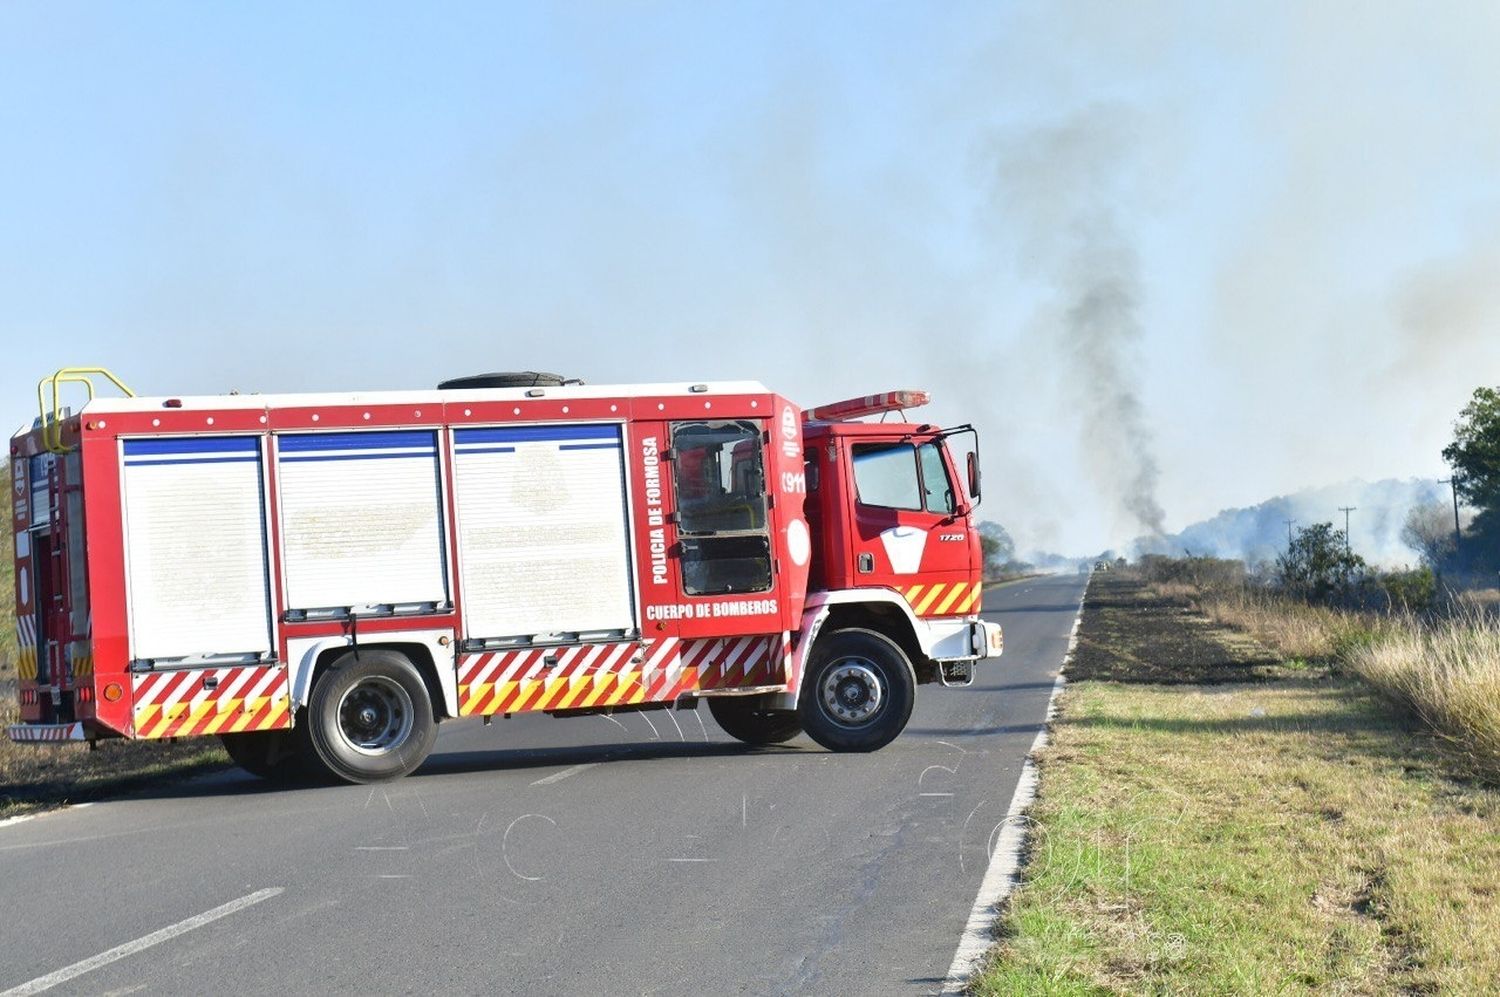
[[962, 640], [989, 639], [46, 733]]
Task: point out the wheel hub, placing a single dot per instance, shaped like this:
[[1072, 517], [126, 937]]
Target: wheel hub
[[852, 692], [375, 716]]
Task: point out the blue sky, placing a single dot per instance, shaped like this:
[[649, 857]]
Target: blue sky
[[830, 198]]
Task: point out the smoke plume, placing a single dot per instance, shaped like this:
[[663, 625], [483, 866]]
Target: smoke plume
[[1065, 183], [1258, 533]]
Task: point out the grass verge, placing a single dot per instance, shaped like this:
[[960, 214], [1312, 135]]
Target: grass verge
[[40, 776], [1443, 671], [1263, 830]]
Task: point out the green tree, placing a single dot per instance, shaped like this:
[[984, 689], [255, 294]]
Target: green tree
[[1474, 453], [1319, 566], [1428, 530], [1474, 456], [996, 545]]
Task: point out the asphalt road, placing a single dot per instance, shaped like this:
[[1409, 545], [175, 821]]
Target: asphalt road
[[641, 854]]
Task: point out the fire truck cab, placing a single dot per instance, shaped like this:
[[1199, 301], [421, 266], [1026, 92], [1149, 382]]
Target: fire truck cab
[[319, 580]]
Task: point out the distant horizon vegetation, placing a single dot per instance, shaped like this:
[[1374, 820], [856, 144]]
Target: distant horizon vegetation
[[1451, 526], [1258, 533]]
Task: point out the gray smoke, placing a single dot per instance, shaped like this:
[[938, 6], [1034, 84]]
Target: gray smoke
[[1066, 184], [1258, 533]]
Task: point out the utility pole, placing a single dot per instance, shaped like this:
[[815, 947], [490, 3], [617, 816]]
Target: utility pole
[[1289, 523], [1346, 509], [1453, 481]]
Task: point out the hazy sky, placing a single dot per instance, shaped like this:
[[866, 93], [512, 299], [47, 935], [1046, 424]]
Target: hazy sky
[[1167, 257]]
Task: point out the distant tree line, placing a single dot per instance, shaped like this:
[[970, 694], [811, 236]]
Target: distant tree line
[[1459, 547], [999, 550]]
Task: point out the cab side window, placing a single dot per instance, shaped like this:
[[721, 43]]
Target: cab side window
[[937, 490]]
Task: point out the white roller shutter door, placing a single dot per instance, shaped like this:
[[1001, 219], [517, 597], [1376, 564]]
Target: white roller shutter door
[[195, 545], [543, 534], [361, 519]]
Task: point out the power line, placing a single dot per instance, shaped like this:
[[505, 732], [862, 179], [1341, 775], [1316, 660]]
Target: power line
[[1453, 481], [1346, 509]]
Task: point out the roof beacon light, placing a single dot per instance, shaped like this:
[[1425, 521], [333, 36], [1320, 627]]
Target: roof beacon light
[[854, 408]]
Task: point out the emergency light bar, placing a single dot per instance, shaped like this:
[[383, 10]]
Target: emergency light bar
[[854, 408]]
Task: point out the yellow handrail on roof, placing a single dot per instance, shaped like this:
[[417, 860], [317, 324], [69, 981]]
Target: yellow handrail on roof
[[52, 428]]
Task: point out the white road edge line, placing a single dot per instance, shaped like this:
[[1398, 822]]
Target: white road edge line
[[1004, 870], [23, 818], [119, 952], [548, 780]]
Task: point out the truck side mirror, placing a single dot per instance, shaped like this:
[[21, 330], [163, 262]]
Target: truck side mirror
[[974, 476]]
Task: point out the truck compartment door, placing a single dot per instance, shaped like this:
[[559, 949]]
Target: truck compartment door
[[195, 547], [543, 540], [361, 519]]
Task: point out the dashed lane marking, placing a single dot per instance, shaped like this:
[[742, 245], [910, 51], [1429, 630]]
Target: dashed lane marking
[[564, 774], [156, 937]]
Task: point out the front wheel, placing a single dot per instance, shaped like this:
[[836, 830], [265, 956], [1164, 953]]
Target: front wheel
[[858, 691], [369, 718], [744, 719]]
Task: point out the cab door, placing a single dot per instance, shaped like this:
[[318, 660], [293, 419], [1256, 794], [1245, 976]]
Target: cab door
[[909, 533]]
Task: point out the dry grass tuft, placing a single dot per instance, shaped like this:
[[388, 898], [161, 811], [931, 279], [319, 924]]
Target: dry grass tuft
[[1296, 629], [1448, 674], [1478, 600]]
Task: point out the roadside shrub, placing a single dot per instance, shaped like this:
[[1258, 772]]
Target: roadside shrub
[[1209, 574], [1412, 591], [1318, 566]]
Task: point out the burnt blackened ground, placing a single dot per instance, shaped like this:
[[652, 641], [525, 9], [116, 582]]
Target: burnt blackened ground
[[1132, 633]]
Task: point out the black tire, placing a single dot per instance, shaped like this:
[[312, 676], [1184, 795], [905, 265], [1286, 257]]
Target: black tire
[[369, 718], [744, 719], [507, 379], [858, 692], [270, 754]]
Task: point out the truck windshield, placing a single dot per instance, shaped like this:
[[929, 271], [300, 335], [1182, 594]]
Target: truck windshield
[[900, 476]]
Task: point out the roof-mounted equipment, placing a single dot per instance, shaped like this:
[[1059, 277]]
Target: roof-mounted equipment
[[855, 408]]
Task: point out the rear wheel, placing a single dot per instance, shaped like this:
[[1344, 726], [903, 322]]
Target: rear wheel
[[744, 719], [370, 718], [858, 691], [269, 754]]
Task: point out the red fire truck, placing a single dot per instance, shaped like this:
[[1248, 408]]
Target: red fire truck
[[320, 579]]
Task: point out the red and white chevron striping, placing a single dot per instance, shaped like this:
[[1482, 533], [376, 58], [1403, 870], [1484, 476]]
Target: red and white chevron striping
[[210, 701], [617, 674]]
